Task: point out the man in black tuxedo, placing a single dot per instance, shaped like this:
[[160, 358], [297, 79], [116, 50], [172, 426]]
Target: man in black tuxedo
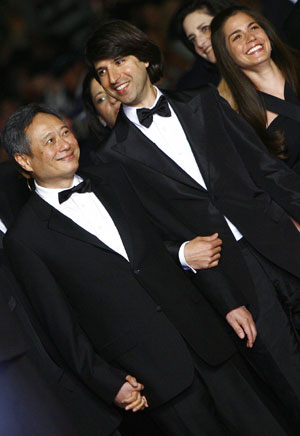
[[114, 301], [40, 395], [199, 169]]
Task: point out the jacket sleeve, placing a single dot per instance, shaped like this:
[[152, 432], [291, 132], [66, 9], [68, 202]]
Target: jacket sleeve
[[267, 171], [56, 314]]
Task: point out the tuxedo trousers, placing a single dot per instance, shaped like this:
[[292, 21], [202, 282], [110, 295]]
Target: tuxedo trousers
[[223, 400], [276, 353]]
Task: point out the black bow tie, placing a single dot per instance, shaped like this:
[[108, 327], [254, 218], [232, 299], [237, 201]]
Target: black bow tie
[[161, 108], [82, 187]]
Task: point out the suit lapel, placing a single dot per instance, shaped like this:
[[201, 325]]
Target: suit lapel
[[113, 202], [192, 122], [131, 142], [58, 222]]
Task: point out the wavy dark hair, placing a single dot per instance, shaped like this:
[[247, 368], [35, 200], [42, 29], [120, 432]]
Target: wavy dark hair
[[211, 7], [249, 102], [117, 38], [94, 125]]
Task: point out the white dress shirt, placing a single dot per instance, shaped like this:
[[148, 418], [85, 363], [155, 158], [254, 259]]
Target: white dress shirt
[[168, 134], [88, 212]]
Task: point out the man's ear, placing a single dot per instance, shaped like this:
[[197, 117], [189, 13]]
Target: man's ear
[[24, 160]]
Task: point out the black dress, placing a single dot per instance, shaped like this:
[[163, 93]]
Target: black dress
[[287, 123]]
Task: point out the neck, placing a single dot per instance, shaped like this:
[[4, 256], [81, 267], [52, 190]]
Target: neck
[[148, 97], [267, 78], [56, 184]]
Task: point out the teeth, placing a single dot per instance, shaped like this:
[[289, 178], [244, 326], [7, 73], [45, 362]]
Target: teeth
[[254, 49], [119, 88]]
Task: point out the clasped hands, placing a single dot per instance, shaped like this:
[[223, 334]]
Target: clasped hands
[[129, 396], [204, 252]]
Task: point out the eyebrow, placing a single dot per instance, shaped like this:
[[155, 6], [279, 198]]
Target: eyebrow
[[51, 133], [239, 30], [198, 27]]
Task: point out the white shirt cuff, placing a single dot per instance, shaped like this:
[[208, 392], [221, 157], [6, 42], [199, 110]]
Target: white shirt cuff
[[182, 260]]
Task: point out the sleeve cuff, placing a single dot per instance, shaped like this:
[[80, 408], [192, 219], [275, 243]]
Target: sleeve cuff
[[182, 260]]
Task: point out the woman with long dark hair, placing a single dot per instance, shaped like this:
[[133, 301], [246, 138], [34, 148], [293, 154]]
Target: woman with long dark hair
[[262, 74], [192, 23]]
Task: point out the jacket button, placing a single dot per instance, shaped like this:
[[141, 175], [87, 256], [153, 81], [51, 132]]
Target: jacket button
[[158, 309], [136, 271]]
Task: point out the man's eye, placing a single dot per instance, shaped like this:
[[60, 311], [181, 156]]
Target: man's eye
[[101, 73], [65, 132], [119, 61]]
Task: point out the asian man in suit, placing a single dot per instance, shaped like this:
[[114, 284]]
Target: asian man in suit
[[118, 308]]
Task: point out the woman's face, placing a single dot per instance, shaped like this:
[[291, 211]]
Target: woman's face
[[196, 26], [246, 41], [107, 107]]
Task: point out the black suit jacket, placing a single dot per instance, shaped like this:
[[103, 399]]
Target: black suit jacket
[[247, 185], [13, 192], [110, 317]]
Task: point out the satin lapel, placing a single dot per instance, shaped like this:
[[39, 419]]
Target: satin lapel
[[115, 204], [191, 117], [58, 222], [132, 143]]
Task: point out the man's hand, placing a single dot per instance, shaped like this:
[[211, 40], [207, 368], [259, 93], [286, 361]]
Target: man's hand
[[242, 323], [129, 396], [203, 251]]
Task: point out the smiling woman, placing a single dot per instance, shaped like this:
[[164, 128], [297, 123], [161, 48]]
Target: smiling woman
[[262, 74], [192, 22]]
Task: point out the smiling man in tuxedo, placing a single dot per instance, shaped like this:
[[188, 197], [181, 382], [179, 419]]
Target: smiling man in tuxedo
[[113, 300], [205, 178]]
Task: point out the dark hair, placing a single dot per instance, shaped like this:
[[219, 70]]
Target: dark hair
[[96, 128], [211, 7], [13, 136], [119, 38], [248, 100]]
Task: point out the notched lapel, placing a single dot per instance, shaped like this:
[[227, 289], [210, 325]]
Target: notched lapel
[[131, 142]]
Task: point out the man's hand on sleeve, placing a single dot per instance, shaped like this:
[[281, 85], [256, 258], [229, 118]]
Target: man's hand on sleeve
[[203, 251], [129, 396], [242, 323]]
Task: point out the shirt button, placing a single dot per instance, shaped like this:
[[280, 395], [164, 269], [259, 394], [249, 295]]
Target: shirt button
[[158, 309], [136, 271]]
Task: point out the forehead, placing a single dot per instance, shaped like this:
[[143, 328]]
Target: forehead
[[42, 125], [238, 20], [196, 17]]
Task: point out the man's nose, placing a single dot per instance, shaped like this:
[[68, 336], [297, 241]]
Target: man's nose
[[113, 75], [64, 144]]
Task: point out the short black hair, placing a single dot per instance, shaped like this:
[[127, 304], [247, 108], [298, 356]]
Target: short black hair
[[13, 136], [117, 38]]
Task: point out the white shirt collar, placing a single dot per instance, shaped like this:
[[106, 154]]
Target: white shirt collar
[[130, 111], [51, 194]]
